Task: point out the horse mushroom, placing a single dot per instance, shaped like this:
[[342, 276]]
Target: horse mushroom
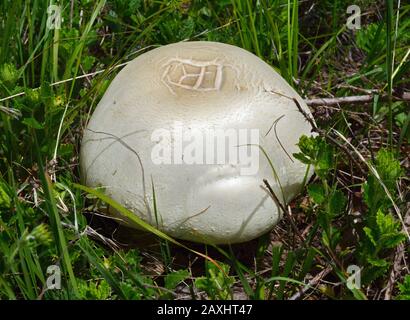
[[196, 119]]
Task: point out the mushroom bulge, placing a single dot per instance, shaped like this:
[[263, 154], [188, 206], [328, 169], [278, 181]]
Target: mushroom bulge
[[202, 124]]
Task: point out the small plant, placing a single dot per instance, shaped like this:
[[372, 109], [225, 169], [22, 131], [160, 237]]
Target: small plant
[[93, 290], [379, 233], [382, 236], [217, 283], [382, 231], [330, 201], [404, 289]]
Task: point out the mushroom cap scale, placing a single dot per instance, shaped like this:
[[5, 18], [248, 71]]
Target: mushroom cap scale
[[197, 91]]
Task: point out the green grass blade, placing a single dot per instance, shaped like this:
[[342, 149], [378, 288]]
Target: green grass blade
[[55, 221], [134, 218]]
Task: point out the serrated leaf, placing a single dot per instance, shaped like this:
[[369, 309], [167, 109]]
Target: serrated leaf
[[404, 289], [377, 262], [337, 203], [302, 158], [217, 283], [391, 240], [389, 170], [369, 234], [173, 279], [324, 159], [386, 223], [317, 193]]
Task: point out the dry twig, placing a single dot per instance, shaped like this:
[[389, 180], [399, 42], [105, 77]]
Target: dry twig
[[367, 98]]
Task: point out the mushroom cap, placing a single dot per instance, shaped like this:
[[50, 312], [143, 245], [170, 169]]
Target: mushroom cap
[[189, 90]]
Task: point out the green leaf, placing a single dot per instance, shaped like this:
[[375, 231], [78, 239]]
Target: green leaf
[[173, 279], [317, 193], [389, 170], [32, 123], [315, 151], [369, 234], [302, 158], [308, 148], [388, 167], [217, 284], [66, 149], [337, 203], [371, 37], [94, 291], [5, 200], [392, 240], [404, 289], [324, 159], [378, 262], [389, 230], [8, 74]]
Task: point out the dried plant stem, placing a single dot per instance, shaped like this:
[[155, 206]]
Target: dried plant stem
[[285, 211], [367, 98]]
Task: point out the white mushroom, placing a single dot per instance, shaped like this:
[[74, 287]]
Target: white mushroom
[[200, 91]]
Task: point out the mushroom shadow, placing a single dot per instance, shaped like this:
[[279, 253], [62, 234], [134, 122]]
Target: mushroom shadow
[[149, 246]]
